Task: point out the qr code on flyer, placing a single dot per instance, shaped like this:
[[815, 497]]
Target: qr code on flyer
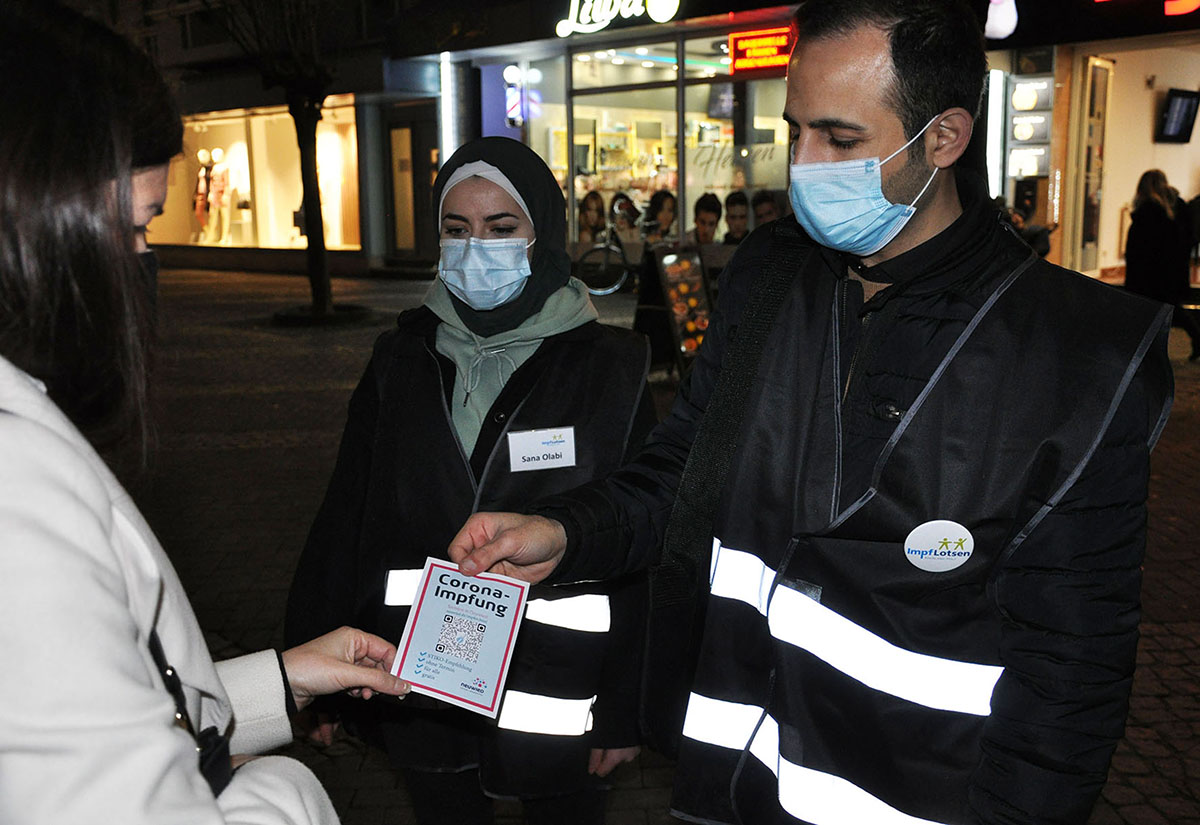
[[460, 637]]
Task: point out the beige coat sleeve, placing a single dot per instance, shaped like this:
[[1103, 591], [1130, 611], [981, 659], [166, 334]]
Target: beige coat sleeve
[[87, 731]]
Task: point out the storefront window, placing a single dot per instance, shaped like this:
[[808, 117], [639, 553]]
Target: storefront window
[[545, 87], [706, 56], [237, 182], [625, 142], [735, 140], [625, 65]]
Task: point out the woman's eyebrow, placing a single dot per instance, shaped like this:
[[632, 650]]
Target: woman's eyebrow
[[500, 216], [450, 216]]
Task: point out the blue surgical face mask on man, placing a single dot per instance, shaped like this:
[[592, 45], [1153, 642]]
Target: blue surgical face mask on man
[[841, 204], [484, 273]]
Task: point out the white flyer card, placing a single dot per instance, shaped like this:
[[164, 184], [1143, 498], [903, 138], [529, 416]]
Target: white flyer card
[[459, 637]]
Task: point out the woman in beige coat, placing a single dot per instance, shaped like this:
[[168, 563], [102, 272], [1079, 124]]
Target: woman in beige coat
[[107, 687]]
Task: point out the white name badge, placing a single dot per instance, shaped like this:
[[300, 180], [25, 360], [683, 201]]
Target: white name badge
[[939, 546], [541, 449]]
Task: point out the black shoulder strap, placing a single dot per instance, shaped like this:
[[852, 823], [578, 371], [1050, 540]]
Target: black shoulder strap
[[678, 584], [212, 747]]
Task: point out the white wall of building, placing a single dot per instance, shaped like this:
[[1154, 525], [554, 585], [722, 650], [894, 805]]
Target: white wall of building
[[1129, 147]]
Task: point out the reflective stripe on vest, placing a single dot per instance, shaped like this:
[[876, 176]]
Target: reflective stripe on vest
[[532, 713], [813, 796], [942, 684], [401, 587], [588, 612]]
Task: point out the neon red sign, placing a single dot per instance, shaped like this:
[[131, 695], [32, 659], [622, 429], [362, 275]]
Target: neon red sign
[[761, 49]]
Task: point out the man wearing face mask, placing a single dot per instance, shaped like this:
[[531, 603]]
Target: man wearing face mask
[[903, 491], [443, 423]]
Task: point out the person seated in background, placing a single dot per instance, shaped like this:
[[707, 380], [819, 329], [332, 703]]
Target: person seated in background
[[624, 215], [113, 708], [660, 216], [707, 216], [1034, 234], [592, 225], [737, 217], [766, 208], [507, 343]]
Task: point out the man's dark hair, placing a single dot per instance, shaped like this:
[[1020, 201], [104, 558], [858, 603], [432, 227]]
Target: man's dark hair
[[764, 196], [737, 198], [708, 202], [938, 52], [82, 109]]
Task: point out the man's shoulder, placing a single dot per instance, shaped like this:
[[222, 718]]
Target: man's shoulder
[[751, 256], [1073, 293], [1060, 313]]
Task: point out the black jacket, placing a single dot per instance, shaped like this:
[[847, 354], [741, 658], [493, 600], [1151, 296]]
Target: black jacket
[[402, 488], [1158, 254], [1002, 393]]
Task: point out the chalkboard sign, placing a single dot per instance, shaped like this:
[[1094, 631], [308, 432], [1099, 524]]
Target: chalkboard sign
[[685, 292]]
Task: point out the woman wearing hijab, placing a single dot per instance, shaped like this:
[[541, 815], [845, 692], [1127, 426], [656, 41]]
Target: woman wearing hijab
[[506, 343], [112, 708]]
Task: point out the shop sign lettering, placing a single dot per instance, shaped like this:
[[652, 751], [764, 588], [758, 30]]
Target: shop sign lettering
[[726, 167], [762, 49], [588, 16]]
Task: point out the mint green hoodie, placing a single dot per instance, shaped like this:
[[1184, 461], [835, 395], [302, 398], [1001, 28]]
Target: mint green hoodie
[[484, 365]]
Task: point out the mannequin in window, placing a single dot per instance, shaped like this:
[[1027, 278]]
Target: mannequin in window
[[217, 230], [203, 185]]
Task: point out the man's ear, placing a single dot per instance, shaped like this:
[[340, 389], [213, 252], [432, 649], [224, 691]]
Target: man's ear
[[946, 141]]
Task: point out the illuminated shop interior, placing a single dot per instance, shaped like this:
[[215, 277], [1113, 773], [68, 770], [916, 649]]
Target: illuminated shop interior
[[237, 182]]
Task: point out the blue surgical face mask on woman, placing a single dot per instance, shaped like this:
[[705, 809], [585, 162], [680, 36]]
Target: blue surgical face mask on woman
[[484, 273], [841, 204]]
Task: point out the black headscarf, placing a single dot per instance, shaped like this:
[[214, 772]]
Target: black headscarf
[[550, 266]]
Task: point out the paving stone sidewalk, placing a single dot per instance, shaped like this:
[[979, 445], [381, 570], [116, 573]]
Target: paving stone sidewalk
[[250, 418]]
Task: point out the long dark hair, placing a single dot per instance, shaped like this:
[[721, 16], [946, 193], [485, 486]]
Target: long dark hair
[[657, 201], [82, 109], [1152, 187]]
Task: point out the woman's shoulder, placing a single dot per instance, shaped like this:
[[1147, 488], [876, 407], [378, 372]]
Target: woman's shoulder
[[54, 503], [35, 458], [1150, 210]]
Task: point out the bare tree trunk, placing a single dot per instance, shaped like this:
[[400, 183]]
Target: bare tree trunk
[[306, 113]]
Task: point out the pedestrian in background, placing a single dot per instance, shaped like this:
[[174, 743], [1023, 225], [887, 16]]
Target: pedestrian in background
[[765, 206], [592, 225], [624, 215], [706, 216], [1158, 250], [111, 707], [506, 343], [737, 217], [659, 217]]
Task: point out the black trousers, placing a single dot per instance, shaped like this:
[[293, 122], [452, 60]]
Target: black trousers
[[457, 799]]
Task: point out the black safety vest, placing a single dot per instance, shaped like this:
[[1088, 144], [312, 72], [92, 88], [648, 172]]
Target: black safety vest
[[835, 674]]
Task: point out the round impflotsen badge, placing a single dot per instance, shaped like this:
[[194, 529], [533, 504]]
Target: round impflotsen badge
[[939, 546]]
